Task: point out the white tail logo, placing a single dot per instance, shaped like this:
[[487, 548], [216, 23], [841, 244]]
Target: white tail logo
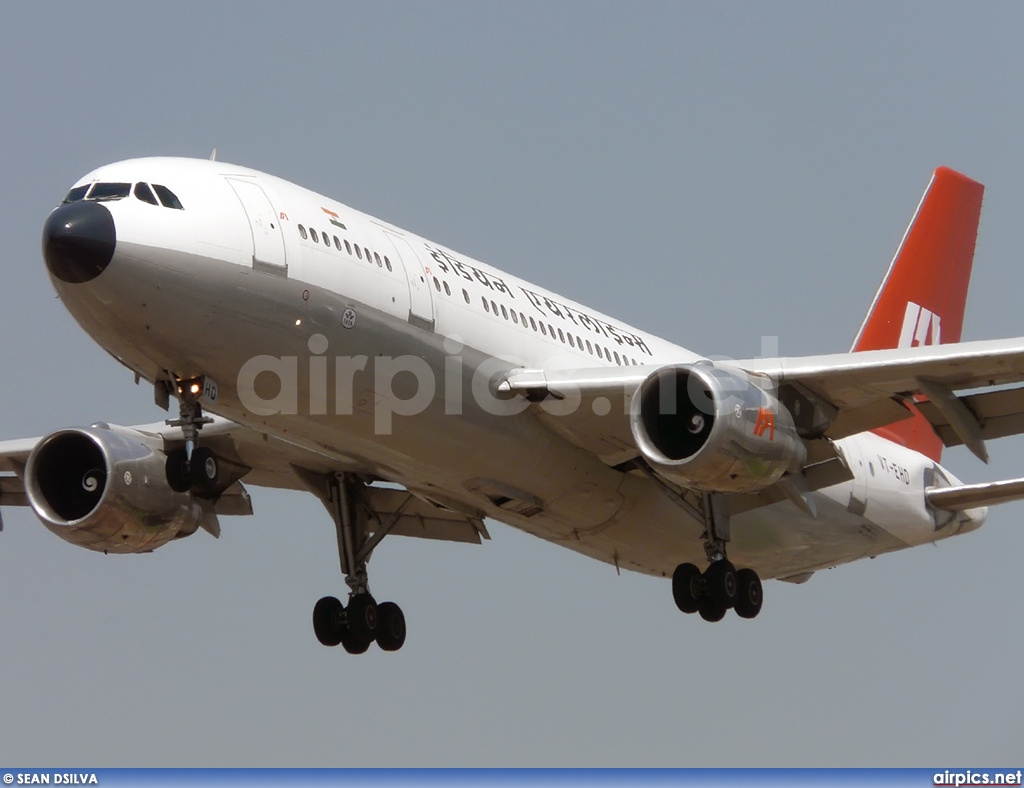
[[920, 327]]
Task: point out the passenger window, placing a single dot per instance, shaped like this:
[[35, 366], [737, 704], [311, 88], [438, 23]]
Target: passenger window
[[348, 247], [109, 191], [571, 343], [514, 318], [599, 353], [533, 324], [447, 290], [302, 232], [314, 236], [359, 254], [167, 197], [387, 264], [327, 240], [494, 307], [144, 193], [465, 293], [590, 350], [561, 336], [487, 307], [522, 319], [437, 285], [367, 253], [579, 342], [551, 330], [543, 330], [376, 258], [77, 193], [504, 312], [337, 243]]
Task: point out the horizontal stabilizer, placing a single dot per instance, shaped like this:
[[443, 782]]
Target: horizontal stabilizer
[[973, 496]]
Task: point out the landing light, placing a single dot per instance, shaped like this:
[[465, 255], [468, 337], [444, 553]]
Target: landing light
[[298, 321]]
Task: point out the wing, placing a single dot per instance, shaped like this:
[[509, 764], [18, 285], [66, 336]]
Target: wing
[[862, 391], [264, 461], [847, 393]]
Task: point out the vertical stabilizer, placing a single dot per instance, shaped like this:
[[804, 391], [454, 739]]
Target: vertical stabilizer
[[921, 300]]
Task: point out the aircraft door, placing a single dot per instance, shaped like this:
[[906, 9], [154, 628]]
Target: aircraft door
[[421, 302], [267, 237]]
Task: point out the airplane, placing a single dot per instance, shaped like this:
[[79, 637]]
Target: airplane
[[416, 392]]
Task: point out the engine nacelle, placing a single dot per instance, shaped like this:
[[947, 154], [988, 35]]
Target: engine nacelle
[[714, 429], [107, 490]]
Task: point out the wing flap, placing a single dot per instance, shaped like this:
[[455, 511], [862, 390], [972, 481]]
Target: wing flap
[[422, 519], [999, 414], [12, 491]]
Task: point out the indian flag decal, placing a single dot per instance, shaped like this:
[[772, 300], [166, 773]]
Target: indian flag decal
[[334, 218]]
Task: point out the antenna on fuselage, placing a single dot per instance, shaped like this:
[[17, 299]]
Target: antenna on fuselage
[[213, 156]]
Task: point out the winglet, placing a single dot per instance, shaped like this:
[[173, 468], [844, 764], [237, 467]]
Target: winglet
[[921, 300]]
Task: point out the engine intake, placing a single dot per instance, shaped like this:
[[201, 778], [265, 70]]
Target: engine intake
[[714, 429], [107, 490]]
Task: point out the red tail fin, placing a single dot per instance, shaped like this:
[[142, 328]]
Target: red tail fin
[[921, 300]]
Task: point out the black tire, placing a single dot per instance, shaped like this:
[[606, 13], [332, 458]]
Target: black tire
[[711, 610], [720, 583], [355, 644], [390, 626], [205, 472], [750, 596], [362, 617], [687, 588], [177, 470], [327, 621]]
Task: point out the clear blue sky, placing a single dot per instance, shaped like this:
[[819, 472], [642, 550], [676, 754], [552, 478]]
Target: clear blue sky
[[710, 172]]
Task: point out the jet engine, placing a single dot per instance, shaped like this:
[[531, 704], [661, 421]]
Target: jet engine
[[107, 490], [714, 429]]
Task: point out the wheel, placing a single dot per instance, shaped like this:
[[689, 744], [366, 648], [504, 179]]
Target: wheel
[[711, 609], [720, 583], [749, 596], [327, 621], [355, 644], [177, 469], [390, 626], [686, 588], [362, 617], [205, 472]]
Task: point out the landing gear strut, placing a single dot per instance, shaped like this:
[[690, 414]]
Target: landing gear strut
[[362, 622], [719, 587], [191, 468]]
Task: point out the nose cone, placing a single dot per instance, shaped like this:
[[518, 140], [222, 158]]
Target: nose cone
[[78, 241]]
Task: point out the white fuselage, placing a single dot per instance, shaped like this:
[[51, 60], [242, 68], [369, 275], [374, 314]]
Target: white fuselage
[[231, 288]]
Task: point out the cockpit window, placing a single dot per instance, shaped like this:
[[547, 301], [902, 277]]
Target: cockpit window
[[144, 193], [109, 191], [167, 197], [77, 193]]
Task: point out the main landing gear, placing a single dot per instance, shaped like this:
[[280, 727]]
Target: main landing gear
[[362, 621], [721, 586]]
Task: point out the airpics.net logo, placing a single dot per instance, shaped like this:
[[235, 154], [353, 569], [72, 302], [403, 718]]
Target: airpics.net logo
[[968, 777], [388, 386]]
